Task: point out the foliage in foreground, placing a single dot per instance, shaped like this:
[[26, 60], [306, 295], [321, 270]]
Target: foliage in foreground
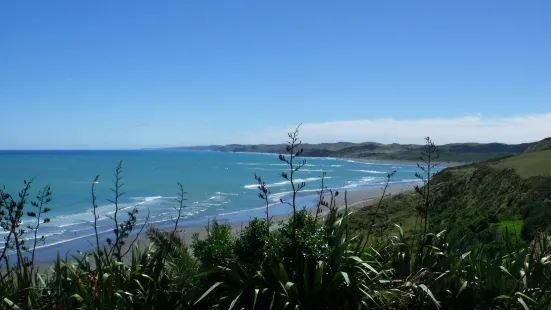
[[309, 262]]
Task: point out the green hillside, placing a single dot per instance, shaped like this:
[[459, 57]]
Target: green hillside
[[457, 152], [528, 164], [542, 145], [478, 196]]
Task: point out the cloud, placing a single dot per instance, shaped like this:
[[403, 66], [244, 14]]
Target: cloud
[[472, 128]]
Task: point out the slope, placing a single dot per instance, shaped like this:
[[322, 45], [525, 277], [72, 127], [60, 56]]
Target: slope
[[477, 197]]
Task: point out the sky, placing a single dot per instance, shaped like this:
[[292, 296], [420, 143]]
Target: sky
[[137, 74]]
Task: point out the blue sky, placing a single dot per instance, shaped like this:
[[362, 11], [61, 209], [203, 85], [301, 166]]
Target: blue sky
[[132, 74]]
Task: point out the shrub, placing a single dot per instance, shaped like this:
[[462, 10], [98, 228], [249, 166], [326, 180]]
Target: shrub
[[252, 246], [217, 249]]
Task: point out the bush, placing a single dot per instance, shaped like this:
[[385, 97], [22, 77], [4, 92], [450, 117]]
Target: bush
[[252, 246], [218, 248], [310, 239], [537, 219]]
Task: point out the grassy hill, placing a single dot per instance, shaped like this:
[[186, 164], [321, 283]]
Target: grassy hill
[[542, 145], [479, 196], [528, 164], [457, 152]]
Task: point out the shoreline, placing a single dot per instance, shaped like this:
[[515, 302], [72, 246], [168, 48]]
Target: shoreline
[[357, 198], [238, 219]]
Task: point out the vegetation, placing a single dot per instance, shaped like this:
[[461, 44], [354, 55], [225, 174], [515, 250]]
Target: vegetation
[[542, 145], [528, 164], [478, 198], [457, 152], [338, 261]]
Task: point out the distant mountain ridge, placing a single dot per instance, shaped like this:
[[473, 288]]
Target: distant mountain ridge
[[455, 152]]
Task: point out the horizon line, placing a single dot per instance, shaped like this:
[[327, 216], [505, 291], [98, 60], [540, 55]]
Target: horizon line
[[222, 145]]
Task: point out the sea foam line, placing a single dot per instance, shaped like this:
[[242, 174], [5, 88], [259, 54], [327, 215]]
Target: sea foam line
[[370, 171], [255, 186]]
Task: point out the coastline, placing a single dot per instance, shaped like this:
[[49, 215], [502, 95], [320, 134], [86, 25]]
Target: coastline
[[239, 218], [356, 198]]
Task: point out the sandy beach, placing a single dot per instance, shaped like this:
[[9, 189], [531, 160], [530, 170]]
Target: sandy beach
[[356, 199]]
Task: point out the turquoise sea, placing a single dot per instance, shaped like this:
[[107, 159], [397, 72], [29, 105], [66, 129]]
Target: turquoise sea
[[220, 185]]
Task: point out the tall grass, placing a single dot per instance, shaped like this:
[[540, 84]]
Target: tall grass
[[308, 262]]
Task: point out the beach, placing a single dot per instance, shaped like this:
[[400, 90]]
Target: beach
[[356, 200], [218, 186]]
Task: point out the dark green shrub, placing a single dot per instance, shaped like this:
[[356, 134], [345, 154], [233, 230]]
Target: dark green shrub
[[217, 249], [537, 219], [252, 245], [310, 239]]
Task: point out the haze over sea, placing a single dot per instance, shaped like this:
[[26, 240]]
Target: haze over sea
[[220, 185]]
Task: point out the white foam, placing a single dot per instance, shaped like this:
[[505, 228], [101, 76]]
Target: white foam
[[277, 196], [72, 224], [242, 211], [377, 181], [30, 236], [226, 194], [72, 239], [149, 199], [87, 228], [363, 181], [283, 183], [370, 171], [405, 181], [309, 179], [263, 169], [86, 217]]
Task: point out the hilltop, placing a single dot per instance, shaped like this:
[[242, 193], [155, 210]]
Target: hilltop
[[456, 152], [511, 191]]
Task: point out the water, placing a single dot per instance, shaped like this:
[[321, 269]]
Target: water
[[220, 185]]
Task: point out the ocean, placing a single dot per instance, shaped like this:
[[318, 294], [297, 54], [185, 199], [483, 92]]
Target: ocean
[[218, 185]]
